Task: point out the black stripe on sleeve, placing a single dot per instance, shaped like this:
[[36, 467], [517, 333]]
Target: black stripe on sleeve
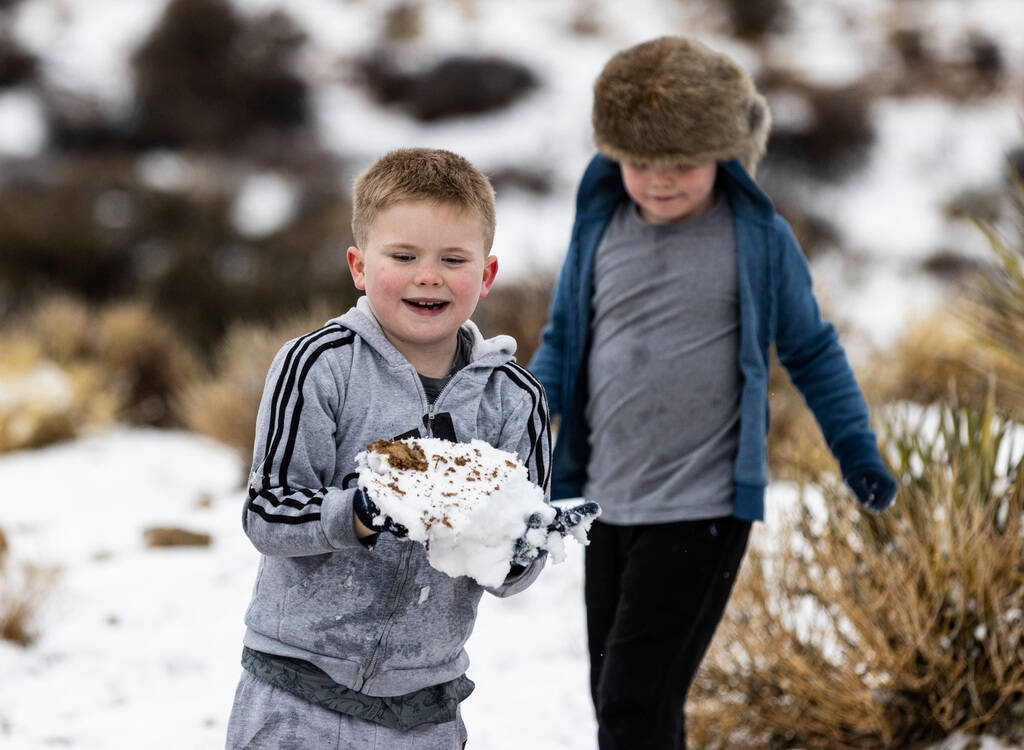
[[285, 383], [293, 429], [528, 383]]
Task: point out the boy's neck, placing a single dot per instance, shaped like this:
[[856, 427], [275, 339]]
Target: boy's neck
[[434, 360]]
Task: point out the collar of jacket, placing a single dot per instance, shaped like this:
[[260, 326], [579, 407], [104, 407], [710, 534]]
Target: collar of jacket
[[361, 320]]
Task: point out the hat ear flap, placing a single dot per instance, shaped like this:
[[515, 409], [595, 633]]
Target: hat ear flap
[[759, 122]]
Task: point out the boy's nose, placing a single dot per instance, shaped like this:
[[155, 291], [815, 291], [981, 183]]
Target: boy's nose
[[427, 275]]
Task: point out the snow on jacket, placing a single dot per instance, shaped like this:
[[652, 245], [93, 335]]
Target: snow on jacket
[[380, 620], [777, 306]]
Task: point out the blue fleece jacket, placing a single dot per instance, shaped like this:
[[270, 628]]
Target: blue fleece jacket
[[777, 306]]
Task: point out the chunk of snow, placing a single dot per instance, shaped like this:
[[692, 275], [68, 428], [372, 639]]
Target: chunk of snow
[[467, 503]]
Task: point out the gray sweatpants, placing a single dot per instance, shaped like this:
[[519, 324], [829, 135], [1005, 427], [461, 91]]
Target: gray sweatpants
[[264, 717]]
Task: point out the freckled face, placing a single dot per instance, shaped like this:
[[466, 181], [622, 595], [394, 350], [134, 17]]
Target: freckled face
[[669, 194], [424, 267]]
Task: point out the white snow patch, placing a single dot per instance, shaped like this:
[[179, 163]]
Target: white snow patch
[[23, 128], [265, 203]]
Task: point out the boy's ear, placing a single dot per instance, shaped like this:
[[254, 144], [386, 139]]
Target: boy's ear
[[356, 267], [490, 271]]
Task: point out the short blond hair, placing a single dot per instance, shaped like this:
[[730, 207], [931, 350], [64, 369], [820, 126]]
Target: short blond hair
[[427, 174]]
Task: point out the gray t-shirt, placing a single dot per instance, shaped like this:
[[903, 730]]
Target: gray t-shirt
[[664, 375]]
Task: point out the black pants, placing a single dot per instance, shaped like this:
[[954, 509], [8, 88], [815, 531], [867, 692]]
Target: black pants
[[654, 596]]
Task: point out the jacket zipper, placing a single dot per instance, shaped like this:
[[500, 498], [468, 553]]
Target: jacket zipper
[[378, 647], [372, 664]]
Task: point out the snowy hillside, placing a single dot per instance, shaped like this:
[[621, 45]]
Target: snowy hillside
[[936, 139]]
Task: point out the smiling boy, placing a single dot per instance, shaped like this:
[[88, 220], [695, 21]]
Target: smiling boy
[[679, 279], [352, 639]]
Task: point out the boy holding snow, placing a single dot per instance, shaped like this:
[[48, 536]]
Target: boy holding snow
[[353, 640], [679, 278]]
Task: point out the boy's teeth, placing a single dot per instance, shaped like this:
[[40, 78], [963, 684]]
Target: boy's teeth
[[428, 305]]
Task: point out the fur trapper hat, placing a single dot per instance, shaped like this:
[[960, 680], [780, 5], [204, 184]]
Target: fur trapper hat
[[675, 101]]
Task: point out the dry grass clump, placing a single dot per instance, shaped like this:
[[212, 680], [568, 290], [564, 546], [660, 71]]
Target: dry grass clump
[[141, 359], [223, 404], [68, 366], [849, 630], [943, 357], [23, 589], [43, 402], [174, 536]]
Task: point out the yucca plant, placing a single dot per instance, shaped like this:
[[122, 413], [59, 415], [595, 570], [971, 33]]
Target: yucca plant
[[850, 630], [995, 311]]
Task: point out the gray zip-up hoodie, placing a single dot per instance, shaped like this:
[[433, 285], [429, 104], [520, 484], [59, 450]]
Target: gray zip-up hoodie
[[380, 620]]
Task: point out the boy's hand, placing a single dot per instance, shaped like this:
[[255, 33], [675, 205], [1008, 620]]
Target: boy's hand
[[366, 511], [873, 485], [566, 519]]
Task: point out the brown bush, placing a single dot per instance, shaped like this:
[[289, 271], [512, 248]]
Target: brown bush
[[975, 69], [119, 238], [209, 78], [455, 86], [173, 536], [24, 589], [866, 631], [942, 358], [44, 402], [16, 65], [753, 20], [838, 136]]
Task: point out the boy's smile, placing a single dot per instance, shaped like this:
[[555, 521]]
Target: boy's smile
[[424, 267], [669, 194]]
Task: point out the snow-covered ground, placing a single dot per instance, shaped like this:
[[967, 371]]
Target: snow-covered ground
[[139, 647]]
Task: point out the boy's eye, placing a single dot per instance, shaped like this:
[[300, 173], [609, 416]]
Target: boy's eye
[[402, 257], [455, 261]]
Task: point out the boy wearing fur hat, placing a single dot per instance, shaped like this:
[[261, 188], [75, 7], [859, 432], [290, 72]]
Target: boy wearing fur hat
[[678, 279]]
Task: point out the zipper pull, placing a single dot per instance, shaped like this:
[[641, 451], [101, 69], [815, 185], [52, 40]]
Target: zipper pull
[[428, 421]]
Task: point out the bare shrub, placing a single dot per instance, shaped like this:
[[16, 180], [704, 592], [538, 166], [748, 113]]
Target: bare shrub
[[147, 362], [42, 401], [459, 85], [207, 77], [68, 366], [16, 65], [836, 137], [119, 238], [856, 630], [974, 68], [173, 536], [24, 588], [403, 21], [995, 310], [753, 20], [223, 404], [942, 357]]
